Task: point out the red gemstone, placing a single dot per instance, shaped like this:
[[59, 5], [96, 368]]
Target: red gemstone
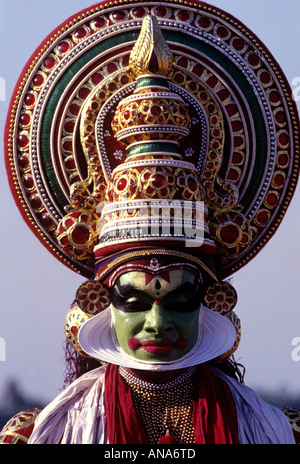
[[84, 93], [99, 22], [238, 141], [23, 141], [97, 78], [204, 23], [28, 182], [223, 94], [203, 95], [70, 164], [280, 117], [119, 16], [124, 79], [262, 217], [74, 109], [233, 175], [212, 81], [80, 33], [63, 47], [237, 157], [192, 184], [25, 119], [38, 80], [138, 12], [229, 233], [272, 199], [179, 78], [284, 139], [155, 110], [231, 109], [282, 159], [193, 86], [80, 234], [122, 184], [222, 32], [238, 44], [69, 127], [112, 87], [36, 203], [265, 77], [198, 69], [112, 67], [183, 15], [68, 146], [279, 180], [183, 62], [236, 126], [158, 180], [47, 221], [253, 59], [49, 62], [274, 96], [30, 99], [74, 330], [23, 162], [160, 11], [93, 296]]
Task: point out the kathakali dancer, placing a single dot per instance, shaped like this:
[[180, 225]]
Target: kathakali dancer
[[153, 147]]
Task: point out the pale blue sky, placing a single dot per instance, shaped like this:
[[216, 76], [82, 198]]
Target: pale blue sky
[[36, 290]]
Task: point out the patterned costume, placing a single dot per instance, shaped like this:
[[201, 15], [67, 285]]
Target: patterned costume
[[153, 146]]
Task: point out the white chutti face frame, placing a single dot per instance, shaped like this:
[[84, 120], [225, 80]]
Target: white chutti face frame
[[216, 336]]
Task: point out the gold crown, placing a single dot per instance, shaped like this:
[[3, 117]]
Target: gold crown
[[150, 122], [152, 194]]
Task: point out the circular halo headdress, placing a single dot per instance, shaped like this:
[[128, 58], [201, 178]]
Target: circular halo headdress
[[130, 107]]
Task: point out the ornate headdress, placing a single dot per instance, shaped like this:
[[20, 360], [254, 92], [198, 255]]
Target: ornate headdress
[[152, 130]]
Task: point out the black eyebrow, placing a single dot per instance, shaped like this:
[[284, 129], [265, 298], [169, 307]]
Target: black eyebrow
[[127, 289], [187, 288]]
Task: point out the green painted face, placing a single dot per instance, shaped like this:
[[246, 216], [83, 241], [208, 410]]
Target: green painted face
[[156, 317]]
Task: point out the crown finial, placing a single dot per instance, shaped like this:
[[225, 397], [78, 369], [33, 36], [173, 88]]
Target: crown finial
[[151, 53]]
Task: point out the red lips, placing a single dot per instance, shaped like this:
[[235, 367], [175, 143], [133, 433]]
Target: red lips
[[157, 347]]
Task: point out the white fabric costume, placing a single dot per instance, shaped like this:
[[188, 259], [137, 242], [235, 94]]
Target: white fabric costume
[[77, 415]]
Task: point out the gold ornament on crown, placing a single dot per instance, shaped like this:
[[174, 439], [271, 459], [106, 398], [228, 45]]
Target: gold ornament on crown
[[151, 53], [144, 121]]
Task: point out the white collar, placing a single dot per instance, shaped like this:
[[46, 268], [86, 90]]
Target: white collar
[[216, 336]]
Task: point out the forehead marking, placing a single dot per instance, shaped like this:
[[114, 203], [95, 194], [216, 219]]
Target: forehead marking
[[163, 275]]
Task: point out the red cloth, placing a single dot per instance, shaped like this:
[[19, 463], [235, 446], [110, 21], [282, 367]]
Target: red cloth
[[124, 426], [19, 428], [214, 411]]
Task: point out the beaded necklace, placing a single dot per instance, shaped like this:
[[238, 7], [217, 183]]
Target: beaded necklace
[[164, 408]]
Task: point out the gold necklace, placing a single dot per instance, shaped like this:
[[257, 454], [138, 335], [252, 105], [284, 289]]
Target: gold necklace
[[164, 408]]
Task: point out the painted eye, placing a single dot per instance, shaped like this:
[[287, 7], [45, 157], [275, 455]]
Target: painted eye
[[187, 305], [136, 306]]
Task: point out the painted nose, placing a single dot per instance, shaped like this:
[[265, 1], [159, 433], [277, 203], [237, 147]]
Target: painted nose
[[158, 320]]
